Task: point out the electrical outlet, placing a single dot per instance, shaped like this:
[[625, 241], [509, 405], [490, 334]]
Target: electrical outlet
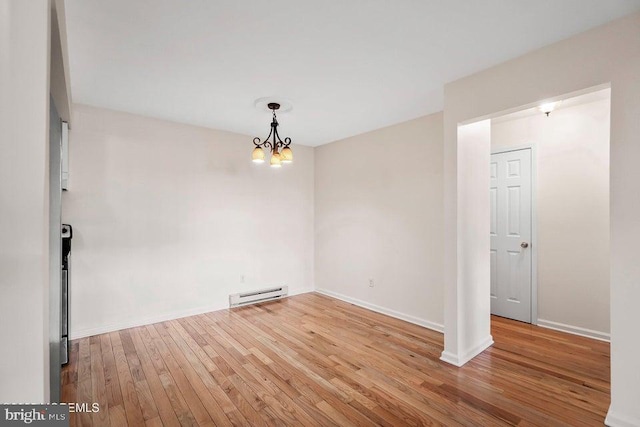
[[371, 283]]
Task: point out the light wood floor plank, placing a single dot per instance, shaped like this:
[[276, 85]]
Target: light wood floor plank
[[118, 416], [176, 399], [317, 361], [69, 380], [85, 385], [127, 387], [112, 383], [167, 415], [283, 407], [203, 366], [99, 387], [184, 357], [278, 373], [175, 373]]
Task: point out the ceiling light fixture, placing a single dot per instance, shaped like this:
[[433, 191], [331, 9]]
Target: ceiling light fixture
[[548, 107], [280, 151]]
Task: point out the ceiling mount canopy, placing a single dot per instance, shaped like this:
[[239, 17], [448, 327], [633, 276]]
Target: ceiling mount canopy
[[548, 107], [280, 151]]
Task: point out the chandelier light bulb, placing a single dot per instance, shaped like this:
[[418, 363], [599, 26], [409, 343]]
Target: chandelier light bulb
[[275, 160], [287, 155], [258, 155]]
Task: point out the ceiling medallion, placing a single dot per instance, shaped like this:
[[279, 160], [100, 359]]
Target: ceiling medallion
[[280, 151]]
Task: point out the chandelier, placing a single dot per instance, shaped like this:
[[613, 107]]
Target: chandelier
[[280, 151]]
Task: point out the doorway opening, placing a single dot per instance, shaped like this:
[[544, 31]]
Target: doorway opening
[[549, 219]]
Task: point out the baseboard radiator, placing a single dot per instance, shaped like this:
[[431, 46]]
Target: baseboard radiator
[[262, 295]]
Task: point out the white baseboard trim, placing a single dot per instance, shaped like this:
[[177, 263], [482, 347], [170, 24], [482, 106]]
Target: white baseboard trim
[[459, 361], [615, 420], [132, 323], [383, 310], [300, 291], [450, 358], [576, 330]]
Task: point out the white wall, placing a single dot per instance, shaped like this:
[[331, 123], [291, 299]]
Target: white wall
[[24, 200], [378, 215], [572, 147], [608, 54], [168, 217]]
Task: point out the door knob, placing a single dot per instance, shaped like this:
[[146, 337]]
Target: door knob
[[524, 245]]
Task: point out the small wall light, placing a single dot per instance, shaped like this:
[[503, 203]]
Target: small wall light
[[548, 107]]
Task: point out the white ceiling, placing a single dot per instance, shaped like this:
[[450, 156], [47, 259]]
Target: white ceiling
[[348, 66]]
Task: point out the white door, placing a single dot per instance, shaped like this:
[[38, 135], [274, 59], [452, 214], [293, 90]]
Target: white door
[[511, 234]]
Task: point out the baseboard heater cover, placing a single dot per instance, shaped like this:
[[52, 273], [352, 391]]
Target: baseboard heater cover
[[261, 295]]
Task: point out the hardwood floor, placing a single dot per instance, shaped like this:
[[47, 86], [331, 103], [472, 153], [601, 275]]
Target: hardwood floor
[[312, 360]]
